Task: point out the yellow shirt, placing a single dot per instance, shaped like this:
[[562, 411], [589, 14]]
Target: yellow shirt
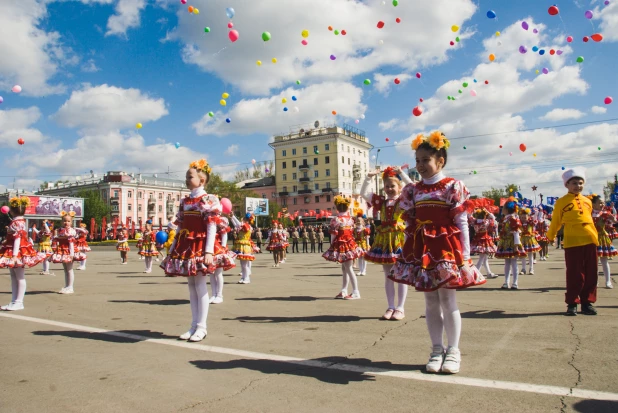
[[575, 212]]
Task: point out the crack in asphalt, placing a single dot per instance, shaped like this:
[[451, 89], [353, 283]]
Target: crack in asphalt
[[571, 363], [383, 336]]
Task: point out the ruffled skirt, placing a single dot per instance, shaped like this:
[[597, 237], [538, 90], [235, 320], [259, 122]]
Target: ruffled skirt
[[82, 246], [123, 246], [387, 247], [244, 250], [508, 249], [27, 257], [530, 244], [605, 247], [343, 249], [62, 255], [483, 244], [149, 250], [46, 249]]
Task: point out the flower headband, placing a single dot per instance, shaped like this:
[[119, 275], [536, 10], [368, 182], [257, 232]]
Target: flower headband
[[390, 172], [19, 201], [524, 211], [436, 140], [249, 218], [201, 165], [71, 213], [341, 200]]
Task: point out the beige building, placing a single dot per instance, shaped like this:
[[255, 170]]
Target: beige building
[[314, 164]]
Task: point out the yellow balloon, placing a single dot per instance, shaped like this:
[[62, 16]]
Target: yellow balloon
[[454, 28], [138, 126], [534, 154], [492, 57], [225, 95], [497, 34], [274, 60], [305, 33], [284, 100], [259, 63], [196, 10], [537, 71], [223, 102]]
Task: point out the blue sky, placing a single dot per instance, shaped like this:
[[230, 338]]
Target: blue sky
[[91, 69]]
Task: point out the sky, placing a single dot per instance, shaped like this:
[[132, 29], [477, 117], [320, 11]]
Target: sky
[[91, 70]]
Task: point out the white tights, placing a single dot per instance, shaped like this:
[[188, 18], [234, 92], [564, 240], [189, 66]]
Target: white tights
[[45, 266], [530, 262], [18, 284], [216, 283], [389, 287], [198, 298], [442, 314], [347, 271], [245, 270], [82, 265], [605, 266], [148, 262], [510, 268], [69, 275], [362, 266], [484, 261]]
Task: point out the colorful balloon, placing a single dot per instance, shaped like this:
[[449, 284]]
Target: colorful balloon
[[569, 39], [334, 112], [294, 98], [228, 120], [266, 36], [285, 109], [298, 82], [588, 14], [397, 81], [5, 209], [473, 92], [597, 37], [524, 25], [553, 10], [259, 63], [183, 1], [357, 121], [16, 89], [230, 25], [586, 39], [608, 100], [492, 57], [222, 102], [225, 95], [535, 49], [230, 13], [343, 32], [522, 147], [138, 126], [367, 82], [330, 28], [491, 14], [177, 145], [386, 139], [395, 3], [1, 99], [580, 59], [196, 10], [336, 32], [454, 28], [305, 33], [233, 35], [497, 34], [397, 20], [417, 111], [380, 24], [452, 43], [304, 42], [284, 100], [523, 49], [21, 141], [333, 57], [211, 114], [206, 29], [190, 9], [226, 205], [274, 60], [545, 70], [253, 161], [418, 75]]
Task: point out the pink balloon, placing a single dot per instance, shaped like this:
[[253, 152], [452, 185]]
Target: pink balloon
[[183, 1], [304, 42], [608, 100], [569, 39], [16, 89], [473, 92], [418, 75], [5, 209], [226, 205], [230, 25], [233, 35], [357, 121]]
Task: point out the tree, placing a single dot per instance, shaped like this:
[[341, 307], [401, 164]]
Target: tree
[[497, 193], [225, 189], [94, 206]]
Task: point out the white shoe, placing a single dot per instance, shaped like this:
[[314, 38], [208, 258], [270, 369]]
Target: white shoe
[[491, 275], [522, 272], [13, 306], [452, 361], [354, 296], [217, 300], [609, 285], [156, 259], [534, 261], [531, 272], [436, 358], [188, 334], [211, 299], [66, 290], [124, 263], [247, 281], [199, 335]]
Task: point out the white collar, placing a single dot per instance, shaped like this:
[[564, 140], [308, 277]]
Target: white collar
[[436, 178], [197, 192]]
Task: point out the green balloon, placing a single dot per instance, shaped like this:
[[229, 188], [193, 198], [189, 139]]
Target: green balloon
[[367, 81], [395, 3], [474, 172], [298, 82], [316, 152], [336, 32], [599, 148], [465, 84], [448, 97], [465, 147], [453, 98], [460, 91], [580, 59], [211, 114], [206, 29], [266, 36], [457, 39]]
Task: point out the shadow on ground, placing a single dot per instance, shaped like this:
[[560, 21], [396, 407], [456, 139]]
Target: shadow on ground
[[123, 336], [499, 314], [306, 319], [153, 302], [596, 406], [292, 298]]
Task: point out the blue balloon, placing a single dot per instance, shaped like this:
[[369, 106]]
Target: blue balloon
[[228, 120], [535, 48], [285, 109], [541, 52], [177, 145], [294, 98], [230, 12], [491, 14], [161, 237], [474, 80]]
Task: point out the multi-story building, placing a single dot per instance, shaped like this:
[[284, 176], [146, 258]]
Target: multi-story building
[[314, 164], [131, 197]]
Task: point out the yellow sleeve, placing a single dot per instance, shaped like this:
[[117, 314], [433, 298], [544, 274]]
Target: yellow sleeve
[[556, 220], [170, 239]]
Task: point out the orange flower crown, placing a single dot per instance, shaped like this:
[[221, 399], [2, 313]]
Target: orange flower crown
[[201, 165], [524, 211], [436, 140], [19, 201], [64, 213], [342, 200], [82, 225]]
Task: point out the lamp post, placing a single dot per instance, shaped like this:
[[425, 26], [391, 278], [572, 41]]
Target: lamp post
[[534, 188]]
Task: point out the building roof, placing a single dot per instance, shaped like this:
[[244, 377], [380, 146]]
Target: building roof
[[257, 183]]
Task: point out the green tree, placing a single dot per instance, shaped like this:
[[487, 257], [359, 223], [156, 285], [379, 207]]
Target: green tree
[[225, 189], [94, 206], [497, 193]]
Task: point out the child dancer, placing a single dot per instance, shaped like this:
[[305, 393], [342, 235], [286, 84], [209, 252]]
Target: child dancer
[[483, 244], [66, 252], [139, 237], [191, 254], [436, 259], [123, 245], [605, 250], [223, 258], [510, 248], [284, 242], [149, 247], [275, 244], [343, 249], [17, 253], [243, 246], [542, 225], [389, 236], [574, 211], [360, 237], [81, 245], [528, 239], [45, 246]]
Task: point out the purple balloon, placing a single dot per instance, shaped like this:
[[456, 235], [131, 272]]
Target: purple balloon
[[535, 31], [559, 52], [524, 25], [588, 14], [332, 57], [1, 99], [523, 49], [606, 2], [545, 70]]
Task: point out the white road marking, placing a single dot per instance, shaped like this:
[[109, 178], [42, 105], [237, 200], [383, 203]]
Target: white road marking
[[408, 375]]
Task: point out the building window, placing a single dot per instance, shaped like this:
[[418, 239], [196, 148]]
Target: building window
[[328, 184], [160, 196], [305, 150], [306, 187], [328, 172], [263, 195], [343, 159], [348, 148], [284, 152], [327, 198], [160, 208], [307, 200], [139, 195], [293, 151], [115, 194], [150, 196], [342, 146], [353, 151], [317, 199], [285, 189], [169, 197], [343, 172], [293, 164], [294, 176], [128, 207], [315, 161], [294, 201], [283, 165], [315, 148], [285, 202], [130, 194], [285, 177], [349, 174], [317, 186], [295, 188], [315, 174], [139, 207], [327, 146], [273, 195], [305, 175], [327, 159], [348, 161]]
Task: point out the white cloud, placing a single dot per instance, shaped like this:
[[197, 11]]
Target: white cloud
[[383, 83], [609, 21], [266, 115], [598, 110], [357, 52], [16, 123], [389, 125], [90, 66], [31, 55], [105, 108], [232, 150], [127, 17], [558, 114]]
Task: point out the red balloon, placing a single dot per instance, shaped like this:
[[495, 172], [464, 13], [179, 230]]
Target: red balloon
[[233, 35], [597, 37], [487, 82], [452, 43], [21, 141], [398, 20], [343, 32], [418, 75], [417, 111], [380, 24], [397, 81], [608, 100], [553, 10], [500, 146], [585, 39], [552, 52], [522, 147], [421, 100], [387, 139]]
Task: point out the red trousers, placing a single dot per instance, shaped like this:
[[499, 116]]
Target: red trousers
[[581, 274]]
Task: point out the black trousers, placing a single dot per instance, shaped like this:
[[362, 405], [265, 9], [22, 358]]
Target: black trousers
[[305, 246], [312, 246], [294, 245], [321, 246]]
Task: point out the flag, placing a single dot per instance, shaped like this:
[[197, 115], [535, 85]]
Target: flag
[[527, 202], [517, 195], [551, 200]]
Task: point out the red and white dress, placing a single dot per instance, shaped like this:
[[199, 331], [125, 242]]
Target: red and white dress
[[149, 244], [601, 220], [483, 242], [507, 248], [197, 229], [224, 258], [433, 253], [25, 256], [343, 248], [528, 236], [65, 251], [81, 244], [542, 226], [276, 242]]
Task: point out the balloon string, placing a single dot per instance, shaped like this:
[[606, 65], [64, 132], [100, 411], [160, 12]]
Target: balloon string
[[220, 51]]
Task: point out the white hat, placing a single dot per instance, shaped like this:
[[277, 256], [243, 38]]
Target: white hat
[[170, 225], [574, 173]]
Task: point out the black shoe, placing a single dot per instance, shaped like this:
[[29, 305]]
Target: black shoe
[[588, 309], [571, 310]]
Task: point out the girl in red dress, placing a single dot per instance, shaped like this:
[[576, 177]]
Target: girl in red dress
[[17, 253], [192, 253], [224, 260], [66, 252], [276, 244], [82, 245], [123, 245], [510, 248], [605, 249], [149, 247], [528, 239], [343, 248], [483, 244]]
